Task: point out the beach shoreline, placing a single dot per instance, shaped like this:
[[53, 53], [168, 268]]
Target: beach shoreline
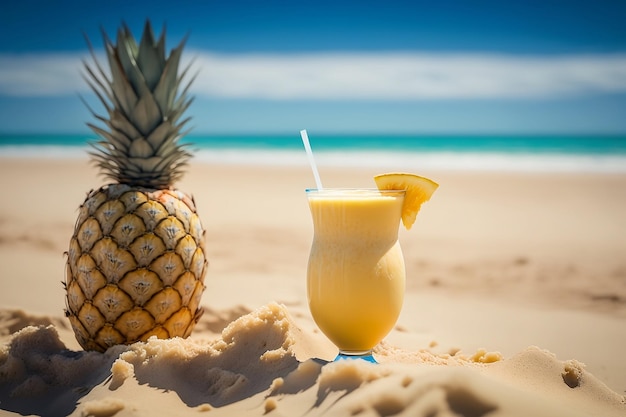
[[492, 161], [499, 261]]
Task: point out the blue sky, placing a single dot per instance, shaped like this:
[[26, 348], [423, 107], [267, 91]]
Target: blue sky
[[339, 66]]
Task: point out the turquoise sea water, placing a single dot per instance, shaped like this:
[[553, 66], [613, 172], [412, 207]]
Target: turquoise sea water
[[482, 152]]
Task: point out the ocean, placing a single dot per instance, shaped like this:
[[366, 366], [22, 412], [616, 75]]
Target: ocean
[[541, 153]]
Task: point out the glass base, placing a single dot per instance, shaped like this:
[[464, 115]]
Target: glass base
[[366, 356]]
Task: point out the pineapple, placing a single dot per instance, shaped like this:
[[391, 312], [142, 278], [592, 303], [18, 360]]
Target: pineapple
[[136, 260]]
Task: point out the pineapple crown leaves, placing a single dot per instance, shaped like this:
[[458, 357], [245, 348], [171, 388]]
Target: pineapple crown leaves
[[139, 143]]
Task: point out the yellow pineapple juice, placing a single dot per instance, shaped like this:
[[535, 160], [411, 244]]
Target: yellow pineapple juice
[[356, 274]]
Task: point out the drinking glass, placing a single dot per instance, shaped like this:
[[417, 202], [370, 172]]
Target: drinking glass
[[355, 273]]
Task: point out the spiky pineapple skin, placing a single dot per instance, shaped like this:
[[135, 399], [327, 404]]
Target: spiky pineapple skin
[[135, 266]]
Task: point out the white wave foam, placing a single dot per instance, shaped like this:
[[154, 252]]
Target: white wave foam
[[405, 161], [412, 161], [47, 152]]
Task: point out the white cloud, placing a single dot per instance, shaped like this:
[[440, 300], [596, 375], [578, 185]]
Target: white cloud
[[40, 75], [332, 76], [406, 76]]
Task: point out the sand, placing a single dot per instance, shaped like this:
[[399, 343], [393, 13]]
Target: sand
[[515, 302]]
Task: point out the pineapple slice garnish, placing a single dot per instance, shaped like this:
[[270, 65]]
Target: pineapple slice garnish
[[417, 191]]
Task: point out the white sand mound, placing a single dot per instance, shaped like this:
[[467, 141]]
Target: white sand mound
[[259, 366]]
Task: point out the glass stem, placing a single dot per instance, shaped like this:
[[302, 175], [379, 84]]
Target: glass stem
[[366, 356]]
